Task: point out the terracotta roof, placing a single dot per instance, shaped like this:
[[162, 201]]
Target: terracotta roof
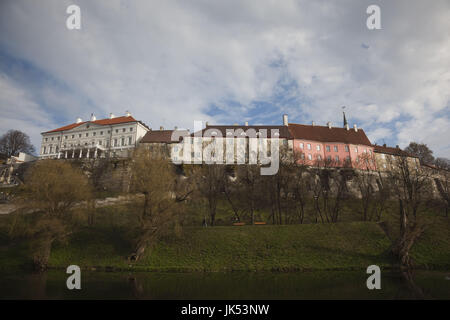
[[325, 134], [162, 136], [392, 151], [283, 130], [102, 122]]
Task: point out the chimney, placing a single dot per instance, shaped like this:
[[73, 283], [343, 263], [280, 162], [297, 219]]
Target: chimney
[[246, 123], [285, 119], [79, 120], [313, 123], [161, 128], [111, 115], [397, 147], [207, 123], [93, 118], [347, 127], [355, 127], [329, 124], [384, 145], [175, 128], [127, 114]]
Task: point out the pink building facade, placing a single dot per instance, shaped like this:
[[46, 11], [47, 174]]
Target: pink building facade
[[333, 147]]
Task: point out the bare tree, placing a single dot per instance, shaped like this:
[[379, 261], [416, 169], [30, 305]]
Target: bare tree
[[248, 184], [162, 191], [411, 187], [15, 141], [209, 186], [373, 199]]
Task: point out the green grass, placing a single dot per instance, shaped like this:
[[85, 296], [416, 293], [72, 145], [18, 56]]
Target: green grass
[[338, 246], [283, 248]]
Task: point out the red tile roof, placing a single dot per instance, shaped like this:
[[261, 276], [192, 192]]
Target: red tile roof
[[162, 136], [102, 122], [325, 134], [392, 151], [282, 130]]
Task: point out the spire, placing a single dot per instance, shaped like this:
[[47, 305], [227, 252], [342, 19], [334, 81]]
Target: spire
[[345, 119]]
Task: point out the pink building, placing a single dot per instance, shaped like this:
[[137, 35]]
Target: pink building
[[330, 146]]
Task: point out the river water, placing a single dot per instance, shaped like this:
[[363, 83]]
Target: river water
[[234, 285]]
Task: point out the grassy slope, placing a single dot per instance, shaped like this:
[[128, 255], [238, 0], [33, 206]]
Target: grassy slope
[[295, 247]]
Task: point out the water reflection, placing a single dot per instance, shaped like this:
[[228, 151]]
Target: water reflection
[[236, 285]]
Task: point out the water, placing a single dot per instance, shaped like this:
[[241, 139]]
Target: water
[[236, 285]]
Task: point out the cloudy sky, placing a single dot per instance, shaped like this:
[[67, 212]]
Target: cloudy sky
[[172, 62]]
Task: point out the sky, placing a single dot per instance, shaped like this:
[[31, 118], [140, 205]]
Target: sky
[[173, 62]]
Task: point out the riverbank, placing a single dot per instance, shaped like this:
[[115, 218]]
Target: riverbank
[[339, 246]]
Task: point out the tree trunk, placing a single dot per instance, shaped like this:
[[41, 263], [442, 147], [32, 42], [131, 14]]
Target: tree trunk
[[41, 249]]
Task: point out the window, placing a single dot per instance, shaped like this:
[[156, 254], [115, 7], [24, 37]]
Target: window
[[337, 158], [73, 136], [328, 148], [117, 130], [335, 148], [301, 145], [309, 146], [52, 138], [115, 142], [347, 149], [94, 133], [101, 133], [309, 156], [318, 147], [79, 136], [46, 139], [123, 130], [319, 157], [131, 129], [87, 134], [356, 149], [129, 140], [93, 143], [100, 142], [329, 158], [50, 149], [45, 150], [59, 138], [65, 137], [123, 141], [347, 158], [109, 131], [302, 156]]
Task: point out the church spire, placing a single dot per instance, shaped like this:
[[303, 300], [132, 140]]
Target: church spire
[[345, 119]]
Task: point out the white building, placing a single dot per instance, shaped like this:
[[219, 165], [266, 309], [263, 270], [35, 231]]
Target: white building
[[111, 137]]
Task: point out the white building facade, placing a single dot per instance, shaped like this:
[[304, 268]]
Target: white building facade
[[111, 137]]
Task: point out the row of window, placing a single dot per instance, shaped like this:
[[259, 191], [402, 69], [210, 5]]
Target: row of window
[[328, 148], [87, 134], [116, 143]]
